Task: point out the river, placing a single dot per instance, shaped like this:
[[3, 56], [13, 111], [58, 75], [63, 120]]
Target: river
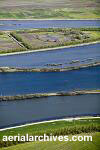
[[20, 112], [84, 54], [44, 82], [27, 24]]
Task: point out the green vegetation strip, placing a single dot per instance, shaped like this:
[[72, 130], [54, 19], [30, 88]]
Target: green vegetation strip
[[56, 128], [89, 145], [65, 9]]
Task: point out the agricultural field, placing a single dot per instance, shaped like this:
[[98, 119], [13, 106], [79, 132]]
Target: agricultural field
[[76, 127], [17, 41], [7, 43], [34, 39], [49, 9], [50, 39], [39, 39], [94, 34], [93, 145]]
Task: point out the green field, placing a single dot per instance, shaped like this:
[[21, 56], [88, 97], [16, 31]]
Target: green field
[[7, 43], [50, 127], [88, 145], [49, 9], [24, 40], [56, 128]]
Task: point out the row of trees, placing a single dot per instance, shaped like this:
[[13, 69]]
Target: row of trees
[[26, 44]]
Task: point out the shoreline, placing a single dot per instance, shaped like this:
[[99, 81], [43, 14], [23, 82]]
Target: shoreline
[[48, 49], [52, 19], [41, 95], [70, 68], [51, 121]]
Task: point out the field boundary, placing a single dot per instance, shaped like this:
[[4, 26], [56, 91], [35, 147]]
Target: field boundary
[[19, 43]]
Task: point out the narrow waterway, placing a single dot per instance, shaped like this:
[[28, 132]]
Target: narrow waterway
[[83, 54], [19, 112], [27, 24]]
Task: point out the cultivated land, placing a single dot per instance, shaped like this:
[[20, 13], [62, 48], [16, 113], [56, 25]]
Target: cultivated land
[[72, 127], [35, 39], [49, 9]]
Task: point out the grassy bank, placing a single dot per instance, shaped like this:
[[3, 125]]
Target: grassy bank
[[51, 14], [56, 128], [93, 145], [58, 9]]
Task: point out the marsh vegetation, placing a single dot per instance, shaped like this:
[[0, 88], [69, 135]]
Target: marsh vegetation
[[24, 40]]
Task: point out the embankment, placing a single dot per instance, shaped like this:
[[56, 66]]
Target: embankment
[[49, 49], [15, 69], [40, 95]]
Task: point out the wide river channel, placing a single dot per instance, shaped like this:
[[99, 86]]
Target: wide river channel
[[44, 82], [19, 112], [24, 111], [84, 54]]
